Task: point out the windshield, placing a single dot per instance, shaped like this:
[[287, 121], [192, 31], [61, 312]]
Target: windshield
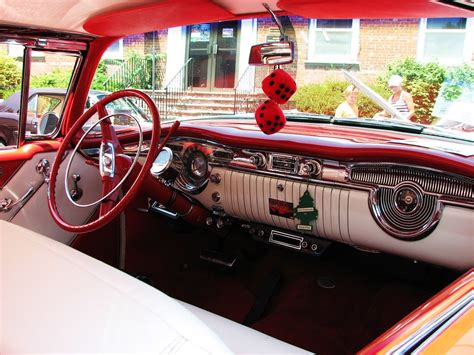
[[414, 75]]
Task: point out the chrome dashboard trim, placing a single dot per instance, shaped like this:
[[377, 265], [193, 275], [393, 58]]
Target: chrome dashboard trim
[[332, 174]]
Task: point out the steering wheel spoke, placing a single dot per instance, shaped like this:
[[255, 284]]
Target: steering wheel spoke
[[109, 136], [115, 167]]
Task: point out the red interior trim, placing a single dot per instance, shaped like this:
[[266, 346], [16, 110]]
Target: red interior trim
[[75, 107], [7, 170], [28, 150], [328, 141], [165, 14], [347, 9]]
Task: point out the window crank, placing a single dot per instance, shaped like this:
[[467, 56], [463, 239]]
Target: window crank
[[76, 191]]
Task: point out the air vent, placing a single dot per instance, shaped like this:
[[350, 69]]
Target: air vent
[[223, 154], [284, 163], [429, 181]]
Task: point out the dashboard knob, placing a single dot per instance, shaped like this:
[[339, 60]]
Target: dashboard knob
[[220, 223], [215, 178], [310, 168], [261, 233], [216, 196], [259, 160]]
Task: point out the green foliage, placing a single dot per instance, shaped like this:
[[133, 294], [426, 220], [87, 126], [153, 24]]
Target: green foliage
[[320, 98], [57, 78], [10, 76], [456, 79], [136, 71], [100, 76], [422, 81], [324, 98]]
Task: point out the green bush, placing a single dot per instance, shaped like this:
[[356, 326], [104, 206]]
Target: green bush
[[456, 79], [57, 78], [324, 98], [100, 76], [422, 81], [10, 76]]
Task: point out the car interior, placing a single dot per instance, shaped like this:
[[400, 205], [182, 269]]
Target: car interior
[[269, 232]]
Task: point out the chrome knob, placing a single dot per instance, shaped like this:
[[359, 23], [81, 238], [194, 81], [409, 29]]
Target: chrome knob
[[259, 160], [310, 168], [216, 197], [215, 178]]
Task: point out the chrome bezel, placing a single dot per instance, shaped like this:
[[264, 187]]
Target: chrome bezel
[[164, 167]]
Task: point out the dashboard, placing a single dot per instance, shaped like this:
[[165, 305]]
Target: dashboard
[[304, 202]]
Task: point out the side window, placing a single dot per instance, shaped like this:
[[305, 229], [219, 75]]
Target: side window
[[49, 82], [333, 41], [445, 40]]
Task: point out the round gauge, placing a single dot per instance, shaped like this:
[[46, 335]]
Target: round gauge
[[196, 165], [162, 162]]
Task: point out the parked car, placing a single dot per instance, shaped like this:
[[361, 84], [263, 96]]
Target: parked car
[[49, 102], [265, 232]]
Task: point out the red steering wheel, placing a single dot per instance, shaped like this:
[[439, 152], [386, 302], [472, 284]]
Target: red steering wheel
[[114, 165]]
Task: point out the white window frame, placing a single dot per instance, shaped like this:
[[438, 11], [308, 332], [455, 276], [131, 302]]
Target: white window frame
[[468, 42], [114, 55], [336, 59]]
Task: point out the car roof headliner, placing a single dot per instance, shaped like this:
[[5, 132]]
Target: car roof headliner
[[125, 17]]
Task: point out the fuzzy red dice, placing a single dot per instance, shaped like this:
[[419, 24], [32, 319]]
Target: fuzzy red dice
[[270, 117], [279, 86]]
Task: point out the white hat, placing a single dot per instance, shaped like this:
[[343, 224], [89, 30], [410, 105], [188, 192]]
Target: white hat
[[395, 80]]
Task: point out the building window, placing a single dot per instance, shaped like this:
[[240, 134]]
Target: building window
[[115, 51], [333, 41], [445, 40]]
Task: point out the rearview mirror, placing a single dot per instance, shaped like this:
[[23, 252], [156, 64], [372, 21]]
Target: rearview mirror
[[272, 53]]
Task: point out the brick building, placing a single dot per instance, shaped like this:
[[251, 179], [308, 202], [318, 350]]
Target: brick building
[[219, 51], [323, 47]]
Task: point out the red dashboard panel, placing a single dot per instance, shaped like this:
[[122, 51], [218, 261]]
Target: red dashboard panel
[[347, 144]]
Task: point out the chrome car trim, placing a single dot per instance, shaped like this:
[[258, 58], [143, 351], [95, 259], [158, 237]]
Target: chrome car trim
[[430, 180], [428, 329], [333, 173]]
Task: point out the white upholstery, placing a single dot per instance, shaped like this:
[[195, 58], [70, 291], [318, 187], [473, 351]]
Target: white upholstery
[[54, 299]]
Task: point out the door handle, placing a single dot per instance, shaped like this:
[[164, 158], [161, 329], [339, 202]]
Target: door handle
[[215, 48], [6, 204]]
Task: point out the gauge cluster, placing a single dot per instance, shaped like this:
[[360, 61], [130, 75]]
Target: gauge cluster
[[184, 165]]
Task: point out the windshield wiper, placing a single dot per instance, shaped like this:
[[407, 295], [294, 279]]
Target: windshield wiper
[[307, 117], [380, 124]]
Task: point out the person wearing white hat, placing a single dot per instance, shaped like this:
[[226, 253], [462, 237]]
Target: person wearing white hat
[[400, 99]]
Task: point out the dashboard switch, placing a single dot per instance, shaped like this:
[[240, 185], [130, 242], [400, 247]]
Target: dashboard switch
[[215, 178], [216, 197], [209, 221]]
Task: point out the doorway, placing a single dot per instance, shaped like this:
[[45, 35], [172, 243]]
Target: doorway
[[213, 47]]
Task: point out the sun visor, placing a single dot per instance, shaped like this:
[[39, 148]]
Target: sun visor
[[347, 9], [150, 17]]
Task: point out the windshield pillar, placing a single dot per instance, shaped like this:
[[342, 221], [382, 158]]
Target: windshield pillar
[[25, 87]]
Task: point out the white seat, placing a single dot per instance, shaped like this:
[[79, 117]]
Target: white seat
[[56, 299]]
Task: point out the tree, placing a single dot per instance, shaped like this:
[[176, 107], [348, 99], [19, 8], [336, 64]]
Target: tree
[[10, 75]]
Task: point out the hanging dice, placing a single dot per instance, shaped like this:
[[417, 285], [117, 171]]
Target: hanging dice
[[270, 117], [279, 86]]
